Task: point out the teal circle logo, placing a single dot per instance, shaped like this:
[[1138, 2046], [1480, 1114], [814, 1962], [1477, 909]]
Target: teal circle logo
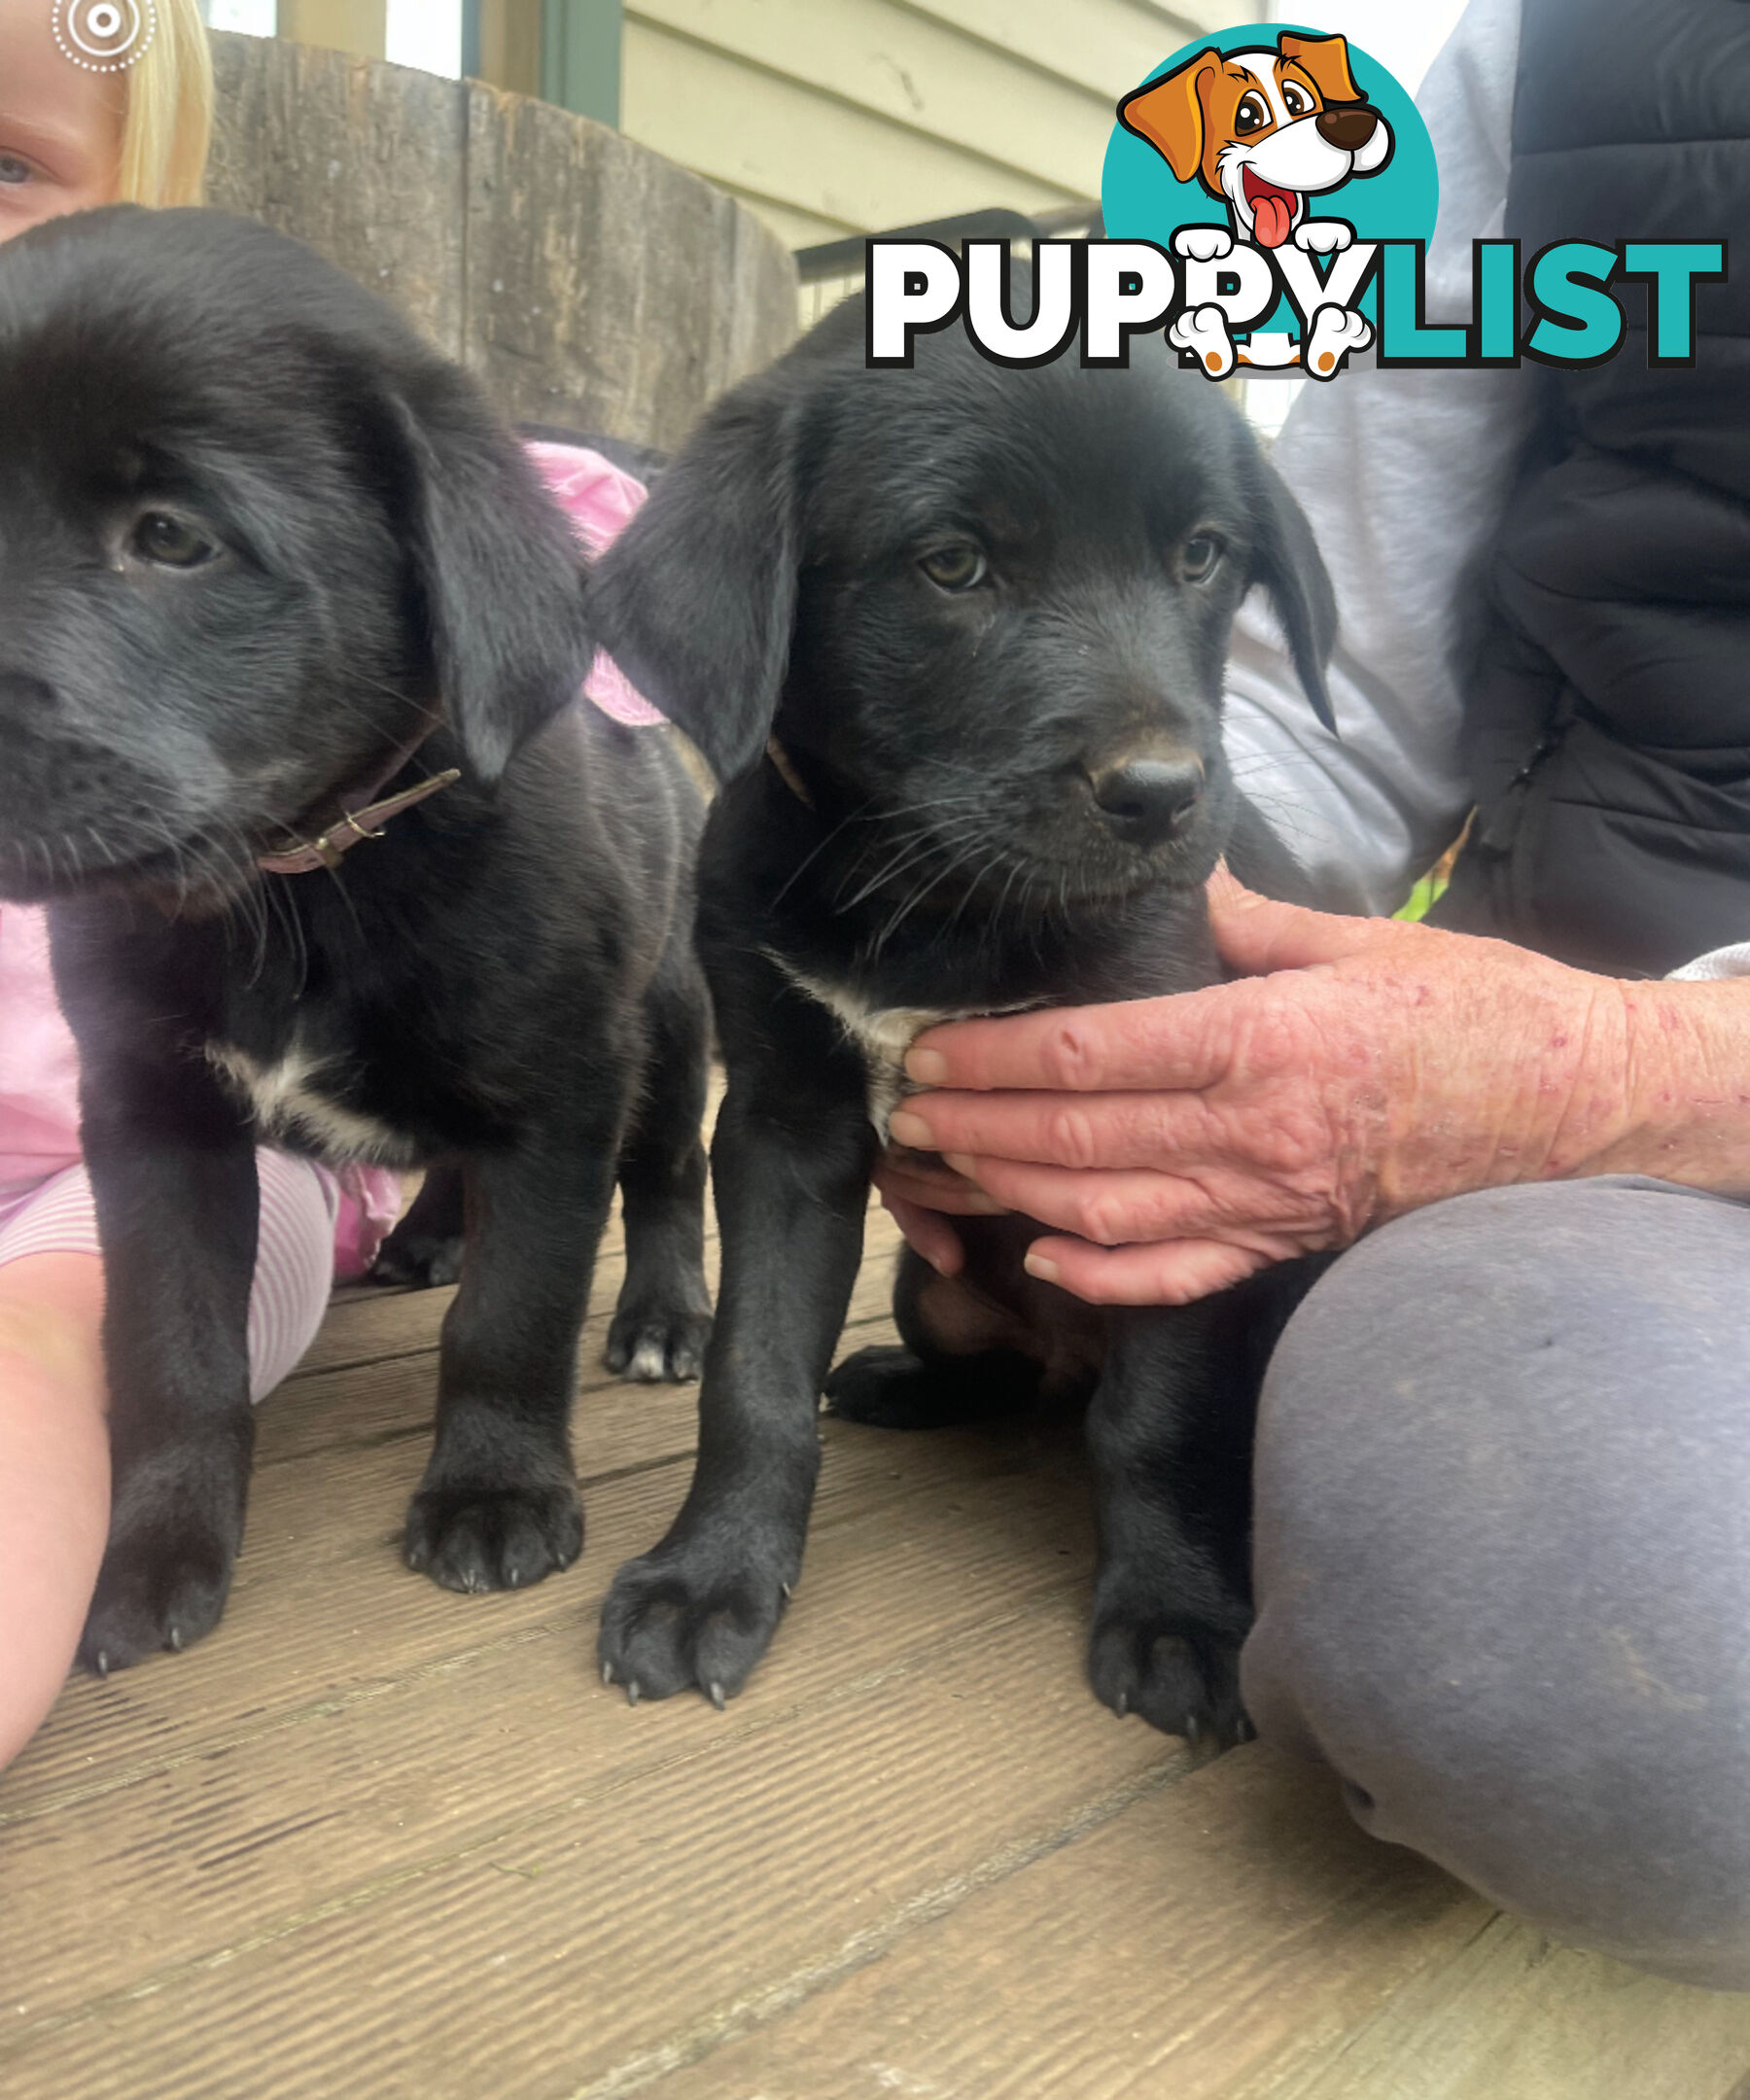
[[1290, 142]]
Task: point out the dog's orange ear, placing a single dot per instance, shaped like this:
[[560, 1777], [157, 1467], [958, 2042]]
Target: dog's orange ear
[[1325, 58], [1169, 115]]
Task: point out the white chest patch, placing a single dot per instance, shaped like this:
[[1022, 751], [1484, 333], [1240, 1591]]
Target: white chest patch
[[884, 1034], [289, 1103]]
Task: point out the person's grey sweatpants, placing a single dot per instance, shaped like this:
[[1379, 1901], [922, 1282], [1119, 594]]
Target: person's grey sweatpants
[[1503, 1556]]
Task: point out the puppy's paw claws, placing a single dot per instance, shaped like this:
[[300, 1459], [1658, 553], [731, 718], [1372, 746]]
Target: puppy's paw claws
[[473, 1537], [651, 1345], [1203, 243], [161, 1588], [1183, 1681], [690, 1615]]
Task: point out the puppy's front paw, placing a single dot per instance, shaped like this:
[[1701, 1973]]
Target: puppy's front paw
[[478, 1535], [886, 1388], [1335, 332], [650, 1342], [1182, 1677], [417, 1260], [1203, 243], [1203, 332], [165, 1575], [699, 1611], [1324, 236]]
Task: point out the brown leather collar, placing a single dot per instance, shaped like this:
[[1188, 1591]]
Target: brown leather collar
[[302, 854]]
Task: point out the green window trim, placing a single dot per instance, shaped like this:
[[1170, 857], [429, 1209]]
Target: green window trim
[[580, 57]]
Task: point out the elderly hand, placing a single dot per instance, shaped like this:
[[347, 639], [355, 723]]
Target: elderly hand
[[1357, 1069]]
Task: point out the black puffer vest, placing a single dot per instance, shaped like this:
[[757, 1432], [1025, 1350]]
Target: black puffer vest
[[1608, 706]]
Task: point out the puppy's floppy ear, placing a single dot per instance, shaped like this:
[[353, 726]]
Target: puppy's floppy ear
[[1169, 114], [500, 575], [1325, 60], [1286, 561], [696, 599]]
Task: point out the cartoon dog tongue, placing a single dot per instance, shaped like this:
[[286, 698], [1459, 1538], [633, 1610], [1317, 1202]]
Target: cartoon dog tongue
[[1272, 211]]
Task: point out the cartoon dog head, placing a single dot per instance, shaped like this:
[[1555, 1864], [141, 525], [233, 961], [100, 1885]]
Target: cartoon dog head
[[1263, 130]]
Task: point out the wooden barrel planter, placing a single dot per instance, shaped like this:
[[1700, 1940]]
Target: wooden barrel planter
[[588, 283]]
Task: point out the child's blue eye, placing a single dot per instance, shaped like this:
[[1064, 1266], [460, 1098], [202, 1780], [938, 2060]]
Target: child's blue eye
[[13, 169]]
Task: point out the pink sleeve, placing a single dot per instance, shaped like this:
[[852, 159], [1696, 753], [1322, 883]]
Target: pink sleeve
[[371, 1202], [39, 1060], [598, 498]]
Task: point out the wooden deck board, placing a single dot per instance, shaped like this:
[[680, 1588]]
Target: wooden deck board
[[374, 1839]]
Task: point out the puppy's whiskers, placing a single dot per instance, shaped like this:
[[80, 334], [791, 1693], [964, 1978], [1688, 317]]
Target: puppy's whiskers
[[905, 849], [927, 889], [857, 815]]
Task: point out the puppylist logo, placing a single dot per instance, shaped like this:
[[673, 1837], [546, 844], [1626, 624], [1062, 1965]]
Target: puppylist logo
[[1269, 195], [104, 36]]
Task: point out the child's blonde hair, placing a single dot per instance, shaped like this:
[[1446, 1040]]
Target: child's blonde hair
[[168, 124]]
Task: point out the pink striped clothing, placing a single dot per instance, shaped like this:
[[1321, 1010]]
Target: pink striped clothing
[[302, 1207]]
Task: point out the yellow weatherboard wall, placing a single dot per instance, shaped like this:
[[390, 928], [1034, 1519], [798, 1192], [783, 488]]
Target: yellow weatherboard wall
[[837, 116], [358, 26]]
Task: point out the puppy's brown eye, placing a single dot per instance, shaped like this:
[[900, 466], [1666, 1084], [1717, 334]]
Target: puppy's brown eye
[[1200, 558], [960, 568], [170, 543], [1252, 114], [1295, 100]]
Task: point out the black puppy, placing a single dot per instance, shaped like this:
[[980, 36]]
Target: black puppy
[[982, 616], [267, 559]]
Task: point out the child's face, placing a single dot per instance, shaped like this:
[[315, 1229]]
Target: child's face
[[60, 125]]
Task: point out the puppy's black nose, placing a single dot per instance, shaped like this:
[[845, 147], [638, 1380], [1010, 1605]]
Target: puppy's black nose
[[1147, 800], [1347, 129]]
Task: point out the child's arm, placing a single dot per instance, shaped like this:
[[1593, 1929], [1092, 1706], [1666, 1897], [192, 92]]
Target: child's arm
[[53, 1477]]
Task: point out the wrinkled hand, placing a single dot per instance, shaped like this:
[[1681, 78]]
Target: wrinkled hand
[[1357, 1069]]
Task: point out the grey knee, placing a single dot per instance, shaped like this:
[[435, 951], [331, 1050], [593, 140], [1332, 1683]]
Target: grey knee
[[1503, 1557]]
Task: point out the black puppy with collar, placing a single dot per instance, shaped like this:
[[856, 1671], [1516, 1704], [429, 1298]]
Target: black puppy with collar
[[983, 616], [265, 559]]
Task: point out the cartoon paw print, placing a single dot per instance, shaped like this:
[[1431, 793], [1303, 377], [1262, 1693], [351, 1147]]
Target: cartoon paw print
[[1336, 332], [1324, 236], [1205, 332], [1203, 243]]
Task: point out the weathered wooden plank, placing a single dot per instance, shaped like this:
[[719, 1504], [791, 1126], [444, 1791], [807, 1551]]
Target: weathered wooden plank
[[216, 1847], [607, 289], [1513, 2015], [323, 1611], [1213, 1932], [549, 1913], [366, 162], [589, 283]]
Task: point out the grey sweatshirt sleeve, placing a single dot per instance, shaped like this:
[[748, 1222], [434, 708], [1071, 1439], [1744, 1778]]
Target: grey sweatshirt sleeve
[[1404, 476], [1721, 963]]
